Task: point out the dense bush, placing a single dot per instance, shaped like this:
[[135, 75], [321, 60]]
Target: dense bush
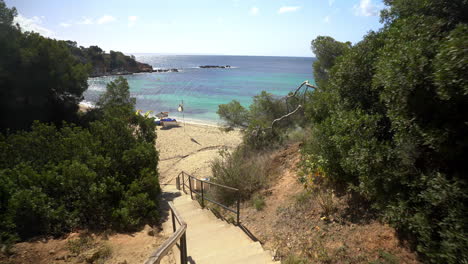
[[390, 120], [246, 168], [243, 169], [256, 122], [104, 175]]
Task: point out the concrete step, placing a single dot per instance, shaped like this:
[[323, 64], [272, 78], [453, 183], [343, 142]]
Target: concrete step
[[259, 258], [212, 240], [221, 235], [208, 229], [230, 254], [198, 216], [204, 244]]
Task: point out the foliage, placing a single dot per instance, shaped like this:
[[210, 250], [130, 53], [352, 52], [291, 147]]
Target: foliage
[[80, 244], [39, 78], [54, 180], [293, 259], [234, 114], [389, 120], [242, 169], [256, 122], [258, 201], [327, 201], [326, 50]]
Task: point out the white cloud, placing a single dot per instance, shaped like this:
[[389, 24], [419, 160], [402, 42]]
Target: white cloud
[[330, 2], [85, 21], [106, 19], [254, 11], [326, 19], [65, 25], [132, 21], [366, 8], [285, 9], [33, 24]]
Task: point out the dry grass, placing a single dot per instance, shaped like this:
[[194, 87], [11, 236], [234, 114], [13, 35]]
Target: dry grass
[[319, 226]]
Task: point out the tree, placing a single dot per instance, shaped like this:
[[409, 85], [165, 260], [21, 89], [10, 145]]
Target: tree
[[234, 114], [326, 50], [40, 79], [117, 94], [389, 120]]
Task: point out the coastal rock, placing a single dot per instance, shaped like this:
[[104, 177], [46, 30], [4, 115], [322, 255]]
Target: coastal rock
[[166, 70], [214, 66], [143, 67]]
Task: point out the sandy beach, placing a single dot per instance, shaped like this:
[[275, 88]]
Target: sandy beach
[[191, 149]]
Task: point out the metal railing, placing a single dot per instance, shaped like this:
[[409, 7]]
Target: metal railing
[[178, 235], [183, 177]]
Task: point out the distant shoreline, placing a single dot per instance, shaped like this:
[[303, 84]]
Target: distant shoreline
[[85, 106]]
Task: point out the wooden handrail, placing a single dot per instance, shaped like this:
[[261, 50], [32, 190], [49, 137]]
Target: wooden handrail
[[203, 198], [179, 234], [212, 183]]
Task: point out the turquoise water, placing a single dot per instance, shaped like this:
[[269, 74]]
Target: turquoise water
[[202, 90]]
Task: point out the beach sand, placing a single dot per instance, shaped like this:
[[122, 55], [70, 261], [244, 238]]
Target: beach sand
[[191, 149]]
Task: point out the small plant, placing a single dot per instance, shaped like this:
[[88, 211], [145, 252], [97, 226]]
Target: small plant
[[385, 258], [231, 220], [258, 201], [302, 197], [83, 243], [244, 169], [102, 254], [293, 259], [327, 201]]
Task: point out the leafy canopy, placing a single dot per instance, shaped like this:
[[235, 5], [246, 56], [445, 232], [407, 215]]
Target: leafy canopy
[[389, 119]]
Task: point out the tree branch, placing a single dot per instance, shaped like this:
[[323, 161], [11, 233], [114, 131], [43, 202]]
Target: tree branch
[[308, 85], [285, 116]]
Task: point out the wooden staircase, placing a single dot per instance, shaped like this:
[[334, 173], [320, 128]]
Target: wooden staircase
[[210, 240]]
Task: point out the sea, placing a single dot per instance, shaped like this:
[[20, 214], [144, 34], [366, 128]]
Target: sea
[[201, 90]]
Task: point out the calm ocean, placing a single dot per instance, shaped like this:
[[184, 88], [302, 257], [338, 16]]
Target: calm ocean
[[202, 90]]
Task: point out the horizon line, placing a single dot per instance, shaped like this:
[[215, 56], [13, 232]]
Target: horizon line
[[211, 54]]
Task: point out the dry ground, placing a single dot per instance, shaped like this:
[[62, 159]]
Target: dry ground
[[292, 224], [131, 248]]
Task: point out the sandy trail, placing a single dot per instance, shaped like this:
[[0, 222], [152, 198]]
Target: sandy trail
[[191, 148]]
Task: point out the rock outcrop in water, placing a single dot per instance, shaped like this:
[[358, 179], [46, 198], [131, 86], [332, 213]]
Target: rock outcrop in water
[[165, 70], [214, 66]]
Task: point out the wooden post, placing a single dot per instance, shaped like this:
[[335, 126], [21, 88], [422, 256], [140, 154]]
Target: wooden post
[[183, 181], [238, 207], [190, 186], [173, 221], [183, 249], [202, 196], [177, 182]]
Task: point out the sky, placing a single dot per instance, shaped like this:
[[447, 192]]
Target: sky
[[222, 27]]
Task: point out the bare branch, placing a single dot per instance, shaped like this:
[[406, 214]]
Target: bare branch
[[308, 85], [285, 116]]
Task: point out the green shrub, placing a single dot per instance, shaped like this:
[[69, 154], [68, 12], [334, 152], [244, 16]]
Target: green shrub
[[293, 259], [258, 201], [53, 180], [389, 121], [241, 169], [80, 244]]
